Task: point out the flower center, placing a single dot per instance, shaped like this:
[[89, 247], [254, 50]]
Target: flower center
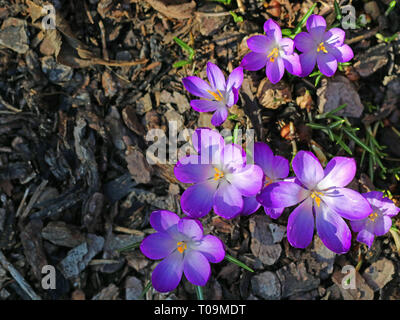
[[373, 216], [218, 174], [322, 48], [181, 246], [218, 96], [273, 54], [316, 195], [268, 181]]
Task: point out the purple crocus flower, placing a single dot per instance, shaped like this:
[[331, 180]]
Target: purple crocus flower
[[219, 95], [379, 221], [275, 168], [272, 51], [220, 175], [321, 193], [184, 248], [325, 48]]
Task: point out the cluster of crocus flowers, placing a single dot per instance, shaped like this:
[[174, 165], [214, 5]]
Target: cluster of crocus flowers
[[184, 250]]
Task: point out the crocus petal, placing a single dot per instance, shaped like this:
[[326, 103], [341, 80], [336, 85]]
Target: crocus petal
[[215, 76], [207, 143], [204, 105], [254, 61], [358, 225], [292, 64], [263, 156], [282, 194], [274, 213], [332, 229], [347, 203], [339, 172], [316, 26], [334, 37], [198, 87], [287, 45], [259, 43], [307, 169], [382, 225], [191, 229], [190, 170], [219, 116], [211, 247], [327, 63], [304, 42], [158, 245], [248, 180], [342, 54], [235, 96], [196, 268], [228, 201], [235, 79], [233, 157], [168, 273], [300, 227], [197, 200], [307, 61], [273, 30], [366, 237], [275, 70], [162, 220], [250, 205], [280, 168]]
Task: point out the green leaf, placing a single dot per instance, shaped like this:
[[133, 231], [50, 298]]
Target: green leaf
[[237, 262], [236, 18], [316, 125], [286, 32], [235, 133], [181, 63], [357, 140], [390, 8], [338, 11], [331, 113], [130, 247], [304, 19], [147, 288], [199, 292], [232, 117]]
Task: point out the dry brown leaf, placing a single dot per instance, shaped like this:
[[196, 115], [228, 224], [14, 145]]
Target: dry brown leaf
[[177, 9]]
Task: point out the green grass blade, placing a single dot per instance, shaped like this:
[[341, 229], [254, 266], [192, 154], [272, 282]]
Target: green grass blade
[[199, 292], [235, 133], [357, 140], [130, 247], [338, 11], [304, 19], [237, 262], [147, 288], [181, 63]]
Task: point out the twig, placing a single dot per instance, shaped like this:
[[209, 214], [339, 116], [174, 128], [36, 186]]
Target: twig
[[103, 40], [362, 37], [128, 231], [34, 198], [21, 205], [18, 277], [8, 106]]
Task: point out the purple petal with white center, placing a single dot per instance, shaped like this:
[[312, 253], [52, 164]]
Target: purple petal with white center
[[248, 180], [158, 245], [204, 105], [191, 229], [274, 213], [358, 225], [168, 273], [304, 42], [339, 172], [332, 229], [342, 54], [287, 45], [228, 201], [327, 63], [282, 194], [280, 168], [273, 30], [316, 26], [292, 64], [250, 205], [208, 144], [334, 37], [348, 203], [382, 225], [215, 76], [233, 157], [195, 220], [307, 61], [211, 247], [219, 116], [263, 157], [197, 200], [198, 87], [196, 268], [162, 220], [366, 237], [190, 170], [300, 227], [259, 43], [254, 61], [275, 70], [235, 79], [307, 168]]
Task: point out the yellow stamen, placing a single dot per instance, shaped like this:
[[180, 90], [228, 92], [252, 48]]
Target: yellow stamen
[[273, 54], [322, 48], [181, 246], [218, 96], [373, 216], [316, 196], [268, 181], [218, 174]]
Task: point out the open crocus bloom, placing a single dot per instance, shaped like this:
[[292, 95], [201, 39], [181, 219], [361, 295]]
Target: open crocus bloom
[[184, 248], [275, 168], [218, 96], [325, 48], [321, 193], [220, 175], [378, 222], [272, 51]]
